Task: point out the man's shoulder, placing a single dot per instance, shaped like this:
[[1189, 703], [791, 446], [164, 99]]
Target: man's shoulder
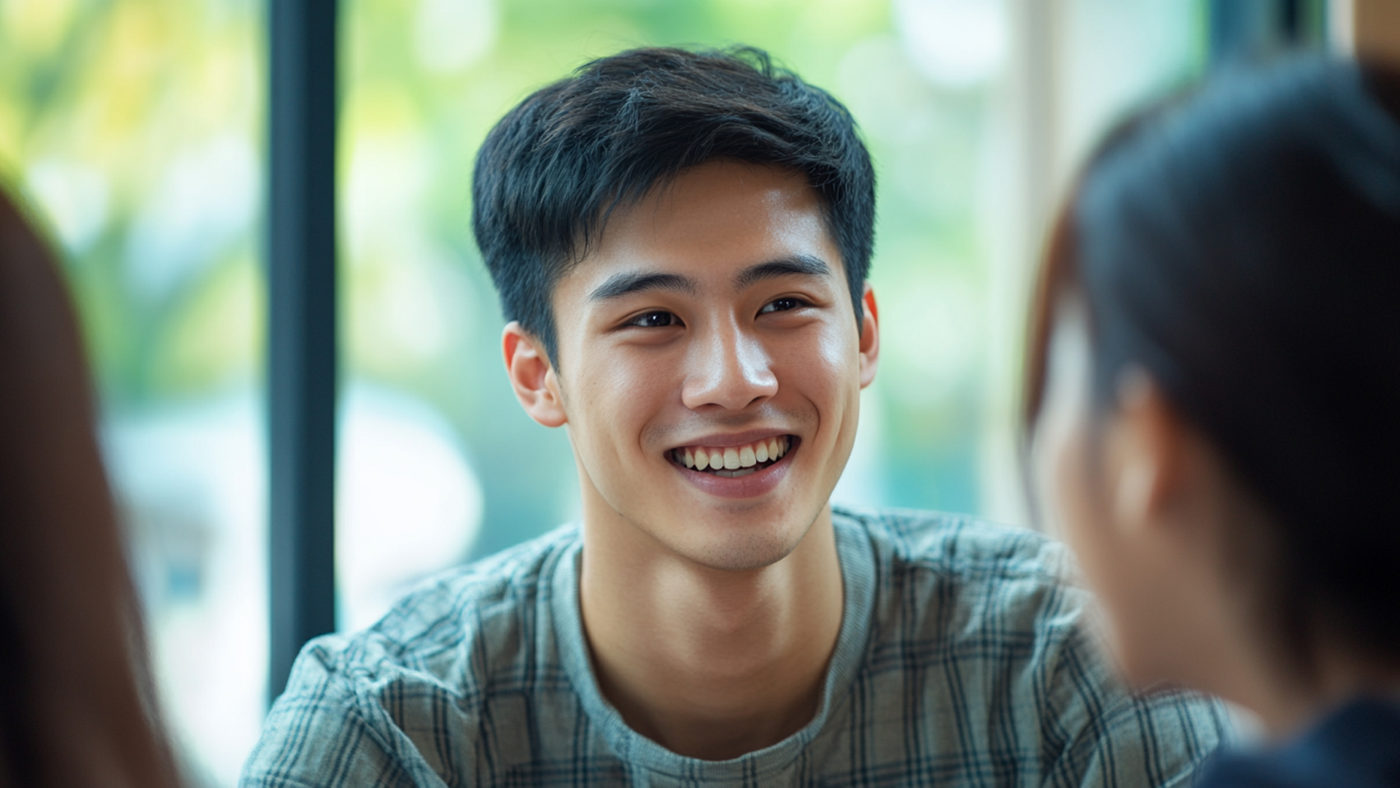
[[400, 702], [994, 625], [472, 607], [514, 576], [961, 547], [962, 583]]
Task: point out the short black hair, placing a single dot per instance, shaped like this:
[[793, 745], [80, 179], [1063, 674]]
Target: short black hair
[[1241, 246], [553, 169]]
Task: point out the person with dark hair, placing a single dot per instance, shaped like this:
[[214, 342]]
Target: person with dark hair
[[681, 242], [76, 697], [1211, 407]]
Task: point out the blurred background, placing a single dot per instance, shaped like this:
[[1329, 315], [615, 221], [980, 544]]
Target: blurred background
[[138, 131]]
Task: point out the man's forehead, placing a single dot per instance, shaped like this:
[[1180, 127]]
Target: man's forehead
[[721, 182], [627, 282], [742, 213]]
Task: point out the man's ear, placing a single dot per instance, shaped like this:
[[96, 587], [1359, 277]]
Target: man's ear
[[869, 337], [532, 376], [1146, 453]]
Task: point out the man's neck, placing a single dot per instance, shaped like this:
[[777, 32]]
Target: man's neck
[[711, 663]]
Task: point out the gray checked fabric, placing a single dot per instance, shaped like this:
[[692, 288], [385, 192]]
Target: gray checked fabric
[[962, 660]]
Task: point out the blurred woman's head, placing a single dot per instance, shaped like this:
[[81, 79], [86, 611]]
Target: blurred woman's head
[[1213, 398], [76, 704]]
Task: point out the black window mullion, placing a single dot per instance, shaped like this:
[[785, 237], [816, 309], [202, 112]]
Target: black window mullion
[[301, 347]]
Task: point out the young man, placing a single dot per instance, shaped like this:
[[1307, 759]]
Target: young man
[[680, 241]]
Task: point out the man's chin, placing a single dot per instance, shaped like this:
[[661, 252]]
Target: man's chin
[[751, 557], [745, 547]]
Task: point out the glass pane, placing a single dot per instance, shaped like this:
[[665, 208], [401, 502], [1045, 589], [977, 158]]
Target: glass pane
[[439, 464], [1119, 54], [135, 131]]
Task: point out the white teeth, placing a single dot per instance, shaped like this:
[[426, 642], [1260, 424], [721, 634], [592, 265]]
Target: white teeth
[[736, 474], [733, 458]]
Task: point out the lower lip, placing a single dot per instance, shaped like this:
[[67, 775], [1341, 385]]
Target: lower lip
[[750, 485]]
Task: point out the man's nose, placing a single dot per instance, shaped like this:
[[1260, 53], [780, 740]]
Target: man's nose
[[728, 368]]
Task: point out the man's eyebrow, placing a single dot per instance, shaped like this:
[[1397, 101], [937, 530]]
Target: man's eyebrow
[[626, 283], [799, 264]]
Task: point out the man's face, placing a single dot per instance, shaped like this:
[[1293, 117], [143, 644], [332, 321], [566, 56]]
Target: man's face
[[710, 368]]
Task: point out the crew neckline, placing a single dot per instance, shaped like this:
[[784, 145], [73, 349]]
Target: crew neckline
[[856, 556]]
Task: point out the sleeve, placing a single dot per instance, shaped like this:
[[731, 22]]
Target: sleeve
[[325, 731], [1107, 736]]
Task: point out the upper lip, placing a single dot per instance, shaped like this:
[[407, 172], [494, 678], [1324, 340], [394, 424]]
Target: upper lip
[[726, 440]]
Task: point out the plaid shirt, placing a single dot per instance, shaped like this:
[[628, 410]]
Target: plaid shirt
[[961, 661]]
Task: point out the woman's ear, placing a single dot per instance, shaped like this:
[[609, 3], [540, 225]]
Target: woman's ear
[[532, 376], [869, 337], [1146, 453]]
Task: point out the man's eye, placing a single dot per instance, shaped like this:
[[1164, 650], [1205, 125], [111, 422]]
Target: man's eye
[[654, 320], [782, 305]]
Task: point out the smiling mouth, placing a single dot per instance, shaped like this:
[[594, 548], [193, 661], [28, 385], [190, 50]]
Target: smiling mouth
[[734, 461]]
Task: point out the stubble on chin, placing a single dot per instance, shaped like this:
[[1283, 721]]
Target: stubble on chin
[[756, 548]]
